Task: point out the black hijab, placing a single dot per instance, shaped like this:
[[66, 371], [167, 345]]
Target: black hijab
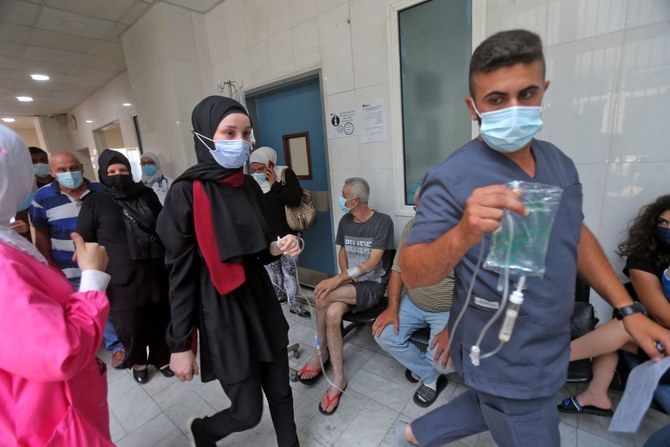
[[237, 215], [112, 185]]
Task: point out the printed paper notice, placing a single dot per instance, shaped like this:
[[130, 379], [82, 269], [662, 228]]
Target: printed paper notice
[[373, 122], [342, 124]]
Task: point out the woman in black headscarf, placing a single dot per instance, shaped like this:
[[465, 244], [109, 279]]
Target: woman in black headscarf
[[217, 242], [122, 218]]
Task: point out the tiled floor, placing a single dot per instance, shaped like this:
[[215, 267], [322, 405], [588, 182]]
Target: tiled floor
[[377, 395]]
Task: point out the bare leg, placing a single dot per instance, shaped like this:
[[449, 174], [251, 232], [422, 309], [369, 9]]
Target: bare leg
[[603, 372], [313, 363], [410, 435], [341, 298], [604, 339], [602, 345]]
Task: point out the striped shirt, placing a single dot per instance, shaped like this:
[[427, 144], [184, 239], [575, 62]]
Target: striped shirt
[[435, 298], [57, 212]]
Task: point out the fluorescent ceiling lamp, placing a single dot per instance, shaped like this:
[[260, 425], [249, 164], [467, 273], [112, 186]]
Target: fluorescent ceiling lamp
[[39, 77], [127, 104], [8, 120], [89, 121], [24, 98]]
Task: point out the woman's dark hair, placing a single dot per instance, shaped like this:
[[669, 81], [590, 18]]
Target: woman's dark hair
[[641, 241]]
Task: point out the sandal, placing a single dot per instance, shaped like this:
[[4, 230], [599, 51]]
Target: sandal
[[409, 375], [330, 399], [571, 405], [307, 370], [425, 396]]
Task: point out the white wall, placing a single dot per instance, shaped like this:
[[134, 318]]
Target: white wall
[[257, 42], [608, 103], [104, 107], [607, 106], [54, 131], [169, 70]]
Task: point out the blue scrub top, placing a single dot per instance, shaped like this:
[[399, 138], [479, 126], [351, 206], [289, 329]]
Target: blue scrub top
[[534, 362]]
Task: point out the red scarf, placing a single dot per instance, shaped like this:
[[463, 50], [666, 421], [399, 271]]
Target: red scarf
[[226, 276]]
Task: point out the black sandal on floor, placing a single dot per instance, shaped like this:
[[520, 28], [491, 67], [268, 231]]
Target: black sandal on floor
[[571, 405]]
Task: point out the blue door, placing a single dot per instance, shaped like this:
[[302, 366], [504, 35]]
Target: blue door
[[295, 109]]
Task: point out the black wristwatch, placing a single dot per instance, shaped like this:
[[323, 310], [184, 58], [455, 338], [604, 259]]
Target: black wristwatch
[[622, 312]]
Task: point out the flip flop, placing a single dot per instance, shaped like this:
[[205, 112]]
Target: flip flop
[[306, 370], [570, 405], [425, 396], [330, 399], [410, 377]]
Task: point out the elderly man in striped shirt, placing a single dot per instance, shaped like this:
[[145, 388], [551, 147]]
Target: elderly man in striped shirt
[[53, 215]]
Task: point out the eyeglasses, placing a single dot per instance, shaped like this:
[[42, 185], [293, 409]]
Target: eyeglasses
[[151, 163]]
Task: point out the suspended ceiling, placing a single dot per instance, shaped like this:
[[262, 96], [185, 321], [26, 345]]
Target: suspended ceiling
[[75, 42]]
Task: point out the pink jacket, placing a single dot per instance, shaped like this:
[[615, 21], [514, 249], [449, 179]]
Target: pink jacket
[[53, 390]]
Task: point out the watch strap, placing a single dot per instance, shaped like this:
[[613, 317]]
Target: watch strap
[[622, 312]]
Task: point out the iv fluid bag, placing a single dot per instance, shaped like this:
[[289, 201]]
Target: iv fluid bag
[[520, 243]]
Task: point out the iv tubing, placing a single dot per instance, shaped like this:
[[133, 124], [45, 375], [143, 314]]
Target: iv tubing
[[317, 341], [475, 352], [467, 299]]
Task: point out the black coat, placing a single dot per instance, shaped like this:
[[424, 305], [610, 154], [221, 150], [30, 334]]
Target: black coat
[[237, 330], [280, 195], [133, 284]]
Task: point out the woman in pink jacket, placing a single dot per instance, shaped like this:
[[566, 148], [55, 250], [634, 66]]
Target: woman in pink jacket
[[53, 390]]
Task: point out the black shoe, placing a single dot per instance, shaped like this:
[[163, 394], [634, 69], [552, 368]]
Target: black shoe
[[299, 311], [167, 372], [141, 376]]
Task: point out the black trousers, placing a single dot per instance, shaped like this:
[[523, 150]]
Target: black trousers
[[144, 327], [247, 406]]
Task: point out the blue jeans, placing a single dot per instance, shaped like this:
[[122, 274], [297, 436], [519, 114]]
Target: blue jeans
[[659, 439], [411, 318], [112, 343]]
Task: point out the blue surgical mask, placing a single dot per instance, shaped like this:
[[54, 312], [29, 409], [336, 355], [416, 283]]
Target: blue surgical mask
[[41, 170], [230, 154], [663, 236], [149, 170], [342, 202], [25, 203], [508, 130], [259, 177], [70, 180]]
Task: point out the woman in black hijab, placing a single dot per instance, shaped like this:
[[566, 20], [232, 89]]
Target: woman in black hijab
[[217, 242], [122, 218]]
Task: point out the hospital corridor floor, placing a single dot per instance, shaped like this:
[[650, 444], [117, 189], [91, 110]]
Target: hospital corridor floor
[[377, 395]]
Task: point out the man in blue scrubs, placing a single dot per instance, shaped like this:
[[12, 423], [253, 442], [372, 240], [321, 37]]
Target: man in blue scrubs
[[512, 393]]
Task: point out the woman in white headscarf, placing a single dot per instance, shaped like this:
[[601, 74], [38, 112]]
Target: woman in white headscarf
[[152, 175], [53, 391], [281, 188]]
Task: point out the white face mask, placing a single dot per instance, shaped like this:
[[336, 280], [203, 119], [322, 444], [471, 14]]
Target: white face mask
[[230, 154]]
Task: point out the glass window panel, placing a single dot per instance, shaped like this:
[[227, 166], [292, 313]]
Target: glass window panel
[[435, 50]]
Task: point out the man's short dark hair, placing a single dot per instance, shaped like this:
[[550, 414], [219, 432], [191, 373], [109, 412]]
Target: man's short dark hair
[[505, 49], [36, 150]]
